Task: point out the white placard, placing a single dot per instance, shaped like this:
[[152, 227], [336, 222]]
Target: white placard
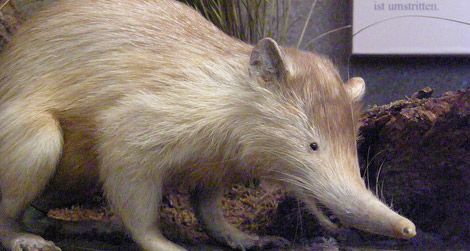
[[411, 27]]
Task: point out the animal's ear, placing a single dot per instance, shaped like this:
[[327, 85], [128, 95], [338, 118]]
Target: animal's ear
[[268, 61], [356, 88]]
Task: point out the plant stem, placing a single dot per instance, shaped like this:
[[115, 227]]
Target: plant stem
[[299, 42], [283, 36], [327, 33], [4, 4]]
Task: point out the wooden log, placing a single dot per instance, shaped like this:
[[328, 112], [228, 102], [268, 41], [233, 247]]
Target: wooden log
[[418, 156]]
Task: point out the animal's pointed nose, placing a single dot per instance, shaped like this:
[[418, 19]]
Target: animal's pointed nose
[[405, 229]]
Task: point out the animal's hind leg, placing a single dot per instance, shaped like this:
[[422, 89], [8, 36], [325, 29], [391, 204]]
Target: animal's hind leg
[[207, 204], [30, 148]]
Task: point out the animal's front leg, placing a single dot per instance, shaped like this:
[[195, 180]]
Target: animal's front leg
[[134, 166], [209, 212], [136, 200]]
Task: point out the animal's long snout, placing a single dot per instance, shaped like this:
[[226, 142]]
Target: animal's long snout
[[357, 207], [366, 212]]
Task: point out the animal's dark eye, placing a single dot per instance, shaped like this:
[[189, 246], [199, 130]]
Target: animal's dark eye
[[314, 146]]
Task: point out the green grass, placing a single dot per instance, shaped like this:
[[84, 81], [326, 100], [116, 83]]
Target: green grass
[[248, 20]]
